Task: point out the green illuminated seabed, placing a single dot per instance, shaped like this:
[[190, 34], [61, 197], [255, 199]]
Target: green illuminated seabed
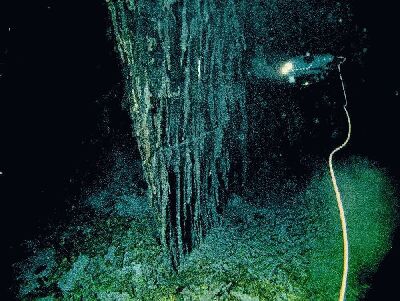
[[288, 252]]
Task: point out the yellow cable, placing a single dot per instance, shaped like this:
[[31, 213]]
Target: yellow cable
[[339, 199]]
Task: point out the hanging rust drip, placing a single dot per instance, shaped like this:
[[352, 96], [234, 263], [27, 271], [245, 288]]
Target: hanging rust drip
[[182, 62]]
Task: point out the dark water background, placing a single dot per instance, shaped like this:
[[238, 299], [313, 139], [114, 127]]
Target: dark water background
[[57, 66]]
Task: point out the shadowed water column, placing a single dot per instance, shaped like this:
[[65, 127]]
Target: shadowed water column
[[182, 67]]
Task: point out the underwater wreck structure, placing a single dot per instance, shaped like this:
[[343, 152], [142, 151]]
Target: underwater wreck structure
[[185, 89]]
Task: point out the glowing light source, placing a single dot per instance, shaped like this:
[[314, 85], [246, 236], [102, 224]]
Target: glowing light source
[[286, 68]]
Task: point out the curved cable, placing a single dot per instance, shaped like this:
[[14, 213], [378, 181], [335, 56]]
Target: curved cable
[[342, 292]]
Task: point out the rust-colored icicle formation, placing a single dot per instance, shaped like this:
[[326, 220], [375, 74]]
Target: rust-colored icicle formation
[[183, 70]]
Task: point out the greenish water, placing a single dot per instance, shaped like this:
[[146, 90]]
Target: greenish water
[[290, 250]]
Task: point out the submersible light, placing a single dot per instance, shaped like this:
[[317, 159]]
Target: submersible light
[[342, 292], [286, 68]]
